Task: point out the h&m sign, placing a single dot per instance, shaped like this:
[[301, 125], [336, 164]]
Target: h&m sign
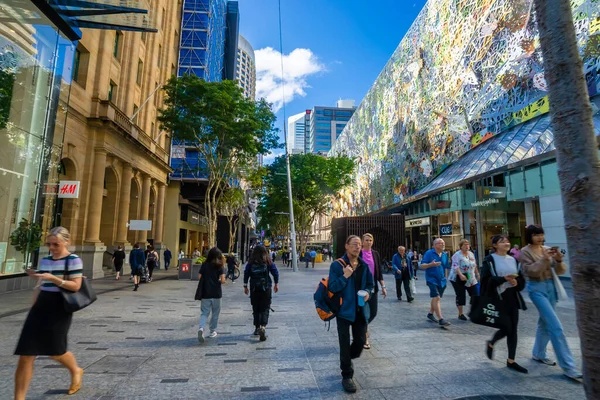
[[68, 189]]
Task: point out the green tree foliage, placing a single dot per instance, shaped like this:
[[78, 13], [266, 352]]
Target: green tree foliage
[[316, 180], [228, 130], [27, 237]]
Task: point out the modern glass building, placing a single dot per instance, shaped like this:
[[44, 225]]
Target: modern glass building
[[202, 47], [326, 125], [208, 49], [455, 132], [296, 133]]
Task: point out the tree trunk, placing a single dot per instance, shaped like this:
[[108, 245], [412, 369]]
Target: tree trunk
[[578, 171]]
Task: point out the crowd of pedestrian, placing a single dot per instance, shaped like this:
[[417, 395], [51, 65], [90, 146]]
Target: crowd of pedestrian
[[356, 279]]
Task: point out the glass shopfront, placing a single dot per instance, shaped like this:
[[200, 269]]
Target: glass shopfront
[[35, 72]]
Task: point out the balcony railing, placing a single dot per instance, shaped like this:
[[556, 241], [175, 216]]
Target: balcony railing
[[108, 111]]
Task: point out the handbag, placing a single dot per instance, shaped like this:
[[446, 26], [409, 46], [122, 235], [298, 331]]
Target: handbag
[[75, 301], [489, 309], [561, 293], [413, 286]]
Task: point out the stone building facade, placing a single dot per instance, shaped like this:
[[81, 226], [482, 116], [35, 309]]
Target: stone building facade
[[112, 143]]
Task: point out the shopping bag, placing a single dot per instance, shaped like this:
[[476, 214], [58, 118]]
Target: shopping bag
[[413, 286], [490, 311], [561, 293]]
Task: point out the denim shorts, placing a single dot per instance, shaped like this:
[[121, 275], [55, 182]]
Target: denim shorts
[[435, 290]]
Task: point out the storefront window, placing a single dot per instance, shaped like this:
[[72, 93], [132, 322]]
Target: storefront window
[[35, 72]]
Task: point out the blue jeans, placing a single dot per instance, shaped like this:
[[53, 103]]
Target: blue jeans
[[543, 295], [207, 306]]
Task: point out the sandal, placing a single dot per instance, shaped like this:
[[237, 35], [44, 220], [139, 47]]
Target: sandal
[[367, 346]]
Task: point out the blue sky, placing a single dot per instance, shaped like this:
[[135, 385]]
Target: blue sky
[[338, 47]]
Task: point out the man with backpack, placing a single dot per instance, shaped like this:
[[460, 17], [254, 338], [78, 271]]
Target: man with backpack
[[349, 278], [258, 271]]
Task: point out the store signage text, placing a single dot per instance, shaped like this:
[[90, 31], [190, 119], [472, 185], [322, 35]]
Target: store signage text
[[446, 230], [491, 192], [68, 189], [485, 203], [417, 222]]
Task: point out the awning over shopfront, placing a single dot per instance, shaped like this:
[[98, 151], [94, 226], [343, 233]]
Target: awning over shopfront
[[124, 15], [528, 140]]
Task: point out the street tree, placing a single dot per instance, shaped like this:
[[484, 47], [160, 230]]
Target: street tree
[[232, 203], [316, 180], [578, 172], [228, 131]]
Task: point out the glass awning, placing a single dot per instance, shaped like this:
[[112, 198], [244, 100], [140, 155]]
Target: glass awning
[[531, 139], [125, 15]]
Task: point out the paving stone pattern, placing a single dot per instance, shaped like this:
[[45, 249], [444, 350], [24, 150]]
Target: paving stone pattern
[[156, 355]]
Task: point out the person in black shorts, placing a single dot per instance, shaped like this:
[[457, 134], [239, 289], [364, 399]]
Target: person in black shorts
[[118, 259]]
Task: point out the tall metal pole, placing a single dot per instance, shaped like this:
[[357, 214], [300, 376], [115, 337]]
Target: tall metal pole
[[287, 155]]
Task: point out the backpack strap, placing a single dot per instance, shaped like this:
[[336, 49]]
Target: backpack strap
[[342, 262]]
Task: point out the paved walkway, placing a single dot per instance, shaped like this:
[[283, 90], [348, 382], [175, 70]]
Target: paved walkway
[[143, 345]]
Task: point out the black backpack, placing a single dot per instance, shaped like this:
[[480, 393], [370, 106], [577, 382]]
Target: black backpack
[[259, 277]]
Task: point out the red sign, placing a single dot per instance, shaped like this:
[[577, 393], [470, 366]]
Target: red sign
[[185, 267]]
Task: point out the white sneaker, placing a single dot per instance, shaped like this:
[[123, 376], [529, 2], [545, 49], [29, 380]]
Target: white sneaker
[[213, 335], [201, 336]]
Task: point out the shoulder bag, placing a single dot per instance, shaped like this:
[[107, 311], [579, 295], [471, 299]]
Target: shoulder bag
[[75, 301]]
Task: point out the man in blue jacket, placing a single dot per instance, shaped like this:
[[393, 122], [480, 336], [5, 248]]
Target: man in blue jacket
[[137, 260], [346, 278], [403, 272]]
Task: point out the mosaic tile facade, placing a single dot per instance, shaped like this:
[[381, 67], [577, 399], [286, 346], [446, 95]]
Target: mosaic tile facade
[[466, 71]]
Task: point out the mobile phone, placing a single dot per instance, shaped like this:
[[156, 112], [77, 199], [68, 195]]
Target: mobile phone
[[555, 248]]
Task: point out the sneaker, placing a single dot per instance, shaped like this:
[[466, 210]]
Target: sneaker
[[411, 300], [349, 385], [256, 332], [200, 336], [212, 335], [576, 376], [489, 350], [443, 322], [399, 298], [516, 367], [432, 318], [263, 334], [546, 361], [463, 317]]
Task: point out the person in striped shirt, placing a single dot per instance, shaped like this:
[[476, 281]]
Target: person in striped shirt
[[47, 325]]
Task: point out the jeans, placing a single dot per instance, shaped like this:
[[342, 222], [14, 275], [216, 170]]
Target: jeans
[[543, 295], [349, 351], [207, 306], [167, 264]]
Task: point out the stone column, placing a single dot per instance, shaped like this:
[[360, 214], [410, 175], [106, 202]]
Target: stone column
[[96, 196], [125, 199], [144, 207], [160, 210]]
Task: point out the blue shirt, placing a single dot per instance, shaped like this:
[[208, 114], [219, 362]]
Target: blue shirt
[[435, 275]]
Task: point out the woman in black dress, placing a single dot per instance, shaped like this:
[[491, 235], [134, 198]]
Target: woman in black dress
[[47, 325], [117, 259]]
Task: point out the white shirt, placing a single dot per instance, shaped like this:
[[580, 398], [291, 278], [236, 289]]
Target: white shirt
[[505, 265]]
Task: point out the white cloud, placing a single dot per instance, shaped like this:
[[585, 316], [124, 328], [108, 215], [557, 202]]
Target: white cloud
[[297, 66], [269, 158]]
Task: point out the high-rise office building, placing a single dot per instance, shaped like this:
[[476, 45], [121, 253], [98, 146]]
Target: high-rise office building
[[326, 125], [296, 134], [246, 68], [209, 30]]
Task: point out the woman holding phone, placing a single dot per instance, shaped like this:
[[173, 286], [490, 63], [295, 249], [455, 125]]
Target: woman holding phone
[[539, 262], [500, 272], [47, 325]]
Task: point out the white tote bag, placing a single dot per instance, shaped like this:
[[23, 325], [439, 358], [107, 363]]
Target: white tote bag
[[561, 293], [413, 286]]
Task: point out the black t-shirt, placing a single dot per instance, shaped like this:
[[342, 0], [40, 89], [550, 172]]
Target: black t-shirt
[[211, 286], [119, 256]]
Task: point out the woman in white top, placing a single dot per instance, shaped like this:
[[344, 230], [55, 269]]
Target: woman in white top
[[464, 276]]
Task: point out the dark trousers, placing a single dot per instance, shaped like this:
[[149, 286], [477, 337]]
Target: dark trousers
[[261, 304], [350, 351], [511, 334], [167, 264], [151, 266], [404, 280], [460, 289]]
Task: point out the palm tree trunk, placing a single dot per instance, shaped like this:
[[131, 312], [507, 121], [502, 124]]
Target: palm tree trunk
[[578, 171]]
